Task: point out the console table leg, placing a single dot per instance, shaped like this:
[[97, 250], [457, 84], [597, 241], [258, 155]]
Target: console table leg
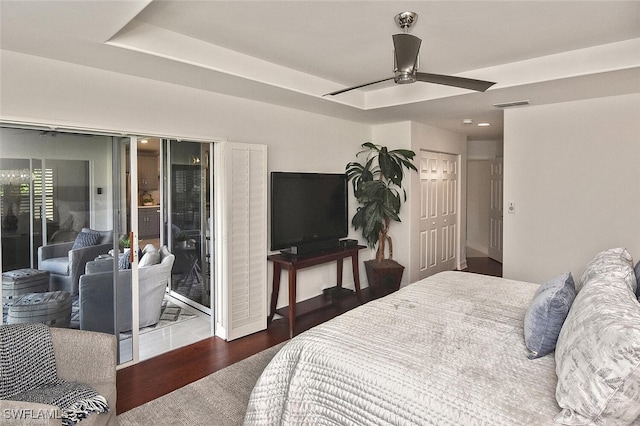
[[275, 290], [339, 269], [356, 276], [292, 300]]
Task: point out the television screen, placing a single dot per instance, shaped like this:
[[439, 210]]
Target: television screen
[[307, 208]]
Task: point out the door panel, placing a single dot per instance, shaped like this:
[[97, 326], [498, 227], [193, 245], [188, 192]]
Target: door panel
[[188, 195], [439, 212], [496, 210], [241, 250]]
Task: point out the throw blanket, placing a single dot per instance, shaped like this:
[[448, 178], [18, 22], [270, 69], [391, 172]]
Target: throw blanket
[[28, 373]]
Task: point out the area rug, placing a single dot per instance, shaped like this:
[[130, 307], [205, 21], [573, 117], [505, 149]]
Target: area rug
[[218, 399], [170, 314]]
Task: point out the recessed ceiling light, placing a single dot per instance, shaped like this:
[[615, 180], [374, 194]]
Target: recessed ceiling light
[[483, 124], [467, 121], [144, 141]]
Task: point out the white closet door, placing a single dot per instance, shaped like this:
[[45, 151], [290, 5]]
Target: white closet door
[[495, 212], [241, 223], [438, 212]]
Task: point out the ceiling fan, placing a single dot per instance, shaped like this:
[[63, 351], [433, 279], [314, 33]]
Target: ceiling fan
[[406, 62]]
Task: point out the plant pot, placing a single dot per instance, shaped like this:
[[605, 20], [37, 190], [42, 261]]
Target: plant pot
[[384, 277]]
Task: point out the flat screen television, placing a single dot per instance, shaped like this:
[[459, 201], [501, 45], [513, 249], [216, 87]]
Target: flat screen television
[[308, 211]]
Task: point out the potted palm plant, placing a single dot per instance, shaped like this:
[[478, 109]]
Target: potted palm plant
[[377, 186], [181, 239]]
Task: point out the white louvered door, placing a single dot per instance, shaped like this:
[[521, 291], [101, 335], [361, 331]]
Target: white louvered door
[[241, 251]]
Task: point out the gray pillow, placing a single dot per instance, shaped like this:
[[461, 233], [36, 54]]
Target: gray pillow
[[85, 239], [546, 314], [104, 236]]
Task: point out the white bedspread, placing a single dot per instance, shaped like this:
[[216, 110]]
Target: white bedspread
[[448, 350]]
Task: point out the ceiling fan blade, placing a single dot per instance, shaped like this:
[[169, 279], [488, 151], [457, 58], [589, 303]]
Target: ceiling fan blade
[[337, 92], [406, 48], [449, 80]]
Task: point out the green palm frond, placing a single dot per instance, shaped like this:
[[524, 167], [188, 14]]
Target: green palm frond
[[376, 185]]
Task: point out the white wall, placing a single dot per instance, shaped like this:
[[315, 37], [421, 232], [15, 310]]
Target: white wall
[[484, 150], [572, 171], [46, 91]]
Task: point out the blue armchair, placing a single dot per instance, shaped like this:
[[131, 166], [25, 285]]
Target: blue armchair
[[66, 265]]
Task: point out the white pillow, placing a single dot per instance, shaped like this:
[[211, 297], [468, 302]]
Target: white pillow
[[613, 262], [149, 247], [598, 351], [150, 257], [79, 220]]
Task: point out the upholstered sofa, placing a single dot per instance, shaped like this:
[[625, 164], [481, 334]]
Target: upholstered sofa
[[66, 264], [96, 292], [81, 356]]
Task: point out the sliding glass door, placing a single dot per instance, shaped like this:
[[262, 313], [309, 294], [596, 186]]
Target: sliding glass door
[[134, 192], [188, 194]]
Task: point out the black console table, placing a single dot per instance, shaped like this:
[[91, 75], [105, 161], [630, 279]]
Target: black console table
[[293, 263]]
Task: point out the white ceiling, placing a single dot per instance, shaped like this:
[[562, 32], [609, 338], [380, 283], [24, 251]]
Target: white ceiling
[[292, 52]]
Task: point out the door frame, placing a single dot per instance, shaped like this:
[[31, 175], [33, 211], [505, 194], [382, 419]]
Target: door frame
[[119, 182]]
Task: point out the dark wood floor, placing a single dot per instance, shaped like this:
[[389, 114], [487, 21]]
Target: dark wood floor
[[484, 265], [158, 376]]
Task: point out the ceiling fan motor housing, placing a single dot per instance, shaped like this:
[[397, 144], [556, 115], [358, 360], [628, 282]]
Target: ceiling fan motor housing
[[405, 58]]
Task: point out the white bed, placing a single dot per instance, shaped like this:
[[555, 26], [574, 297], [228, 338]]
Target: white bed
[[447, 350]]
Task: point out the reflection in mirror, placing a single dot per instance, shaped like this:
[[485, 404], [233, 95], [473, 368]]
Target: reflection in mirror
[[15, 205]]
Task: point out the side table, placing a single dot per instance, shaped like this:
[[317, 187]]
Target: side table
[[294, 263]]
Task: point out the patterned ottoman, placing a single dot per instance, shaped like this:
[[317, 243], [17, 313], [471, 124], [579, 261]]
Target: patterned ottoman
[[52, 308], [22, 281]]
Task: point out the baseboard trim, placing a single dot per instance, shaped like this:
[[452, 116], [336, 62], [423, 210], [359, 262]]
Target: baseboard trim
[[463, 265]]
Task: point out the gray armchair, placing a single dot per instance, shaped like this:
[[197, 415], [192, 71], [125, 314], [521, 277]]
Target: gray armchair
[[81, 356], [96, 294], [66, 265]]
